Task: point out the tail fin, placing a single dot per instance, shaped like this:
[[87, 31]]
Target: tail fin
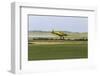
[[52, 30]]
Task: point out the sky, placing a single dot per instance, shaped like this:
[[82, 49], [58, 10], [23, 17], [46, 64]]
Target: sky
[[58, 23]]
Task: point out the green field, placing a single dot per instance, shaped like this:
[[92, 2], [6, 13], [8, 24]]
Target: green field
[[65, 50]]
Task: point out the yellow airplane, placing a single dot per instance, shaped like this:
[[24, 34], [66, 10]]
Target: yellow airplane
[[60, 34]]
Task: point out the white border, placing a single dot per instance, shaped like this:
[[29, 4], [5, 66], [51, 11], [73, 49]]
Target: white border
[[19, 38]]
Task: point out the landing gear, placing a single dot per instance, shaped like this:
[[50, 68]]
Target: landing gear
[[61, 37]]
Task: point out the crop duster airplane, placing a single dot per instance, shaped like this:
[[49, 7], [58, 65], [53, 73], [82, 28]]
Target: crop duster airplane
[[60, 34]]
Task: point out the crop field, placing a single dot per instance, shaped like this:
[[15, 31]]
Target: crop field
[[49, 50]]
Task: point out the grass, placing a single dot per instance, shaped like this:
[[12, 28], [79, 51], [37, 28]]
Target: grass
[[68, 50]]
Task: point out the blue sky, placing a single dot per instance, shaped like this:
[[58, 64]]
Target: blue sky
[[58, 23]]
